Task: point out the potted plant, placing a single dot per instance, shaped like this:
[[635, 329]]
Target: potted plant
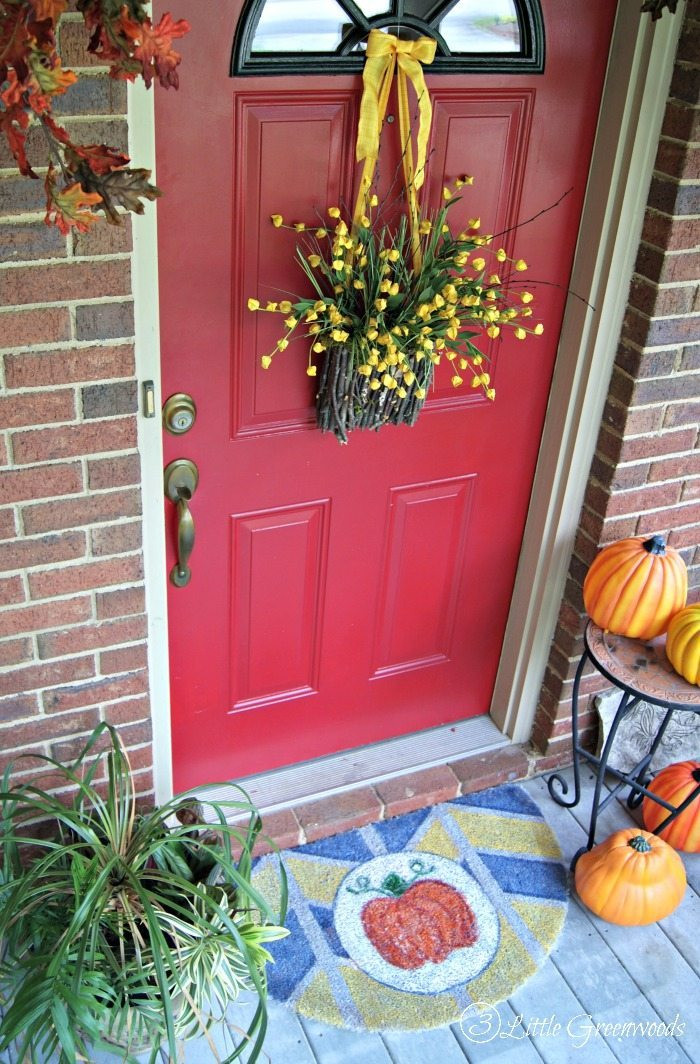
[[122, 927]]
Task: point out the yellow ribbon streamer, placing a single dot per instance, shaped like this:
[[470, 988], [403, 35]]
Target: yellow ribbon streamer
[[385, 53]]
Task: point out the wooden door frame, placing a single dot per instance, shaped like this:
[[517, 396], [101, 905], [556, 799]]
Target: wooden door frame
[[634, 99]]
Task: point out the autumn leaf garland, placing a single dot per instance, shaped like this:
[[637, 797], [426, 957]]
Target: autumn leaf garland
[[80, 179]]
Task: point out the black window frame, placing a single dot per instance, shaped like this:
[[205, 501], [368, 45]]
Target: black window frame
[[530, 59]]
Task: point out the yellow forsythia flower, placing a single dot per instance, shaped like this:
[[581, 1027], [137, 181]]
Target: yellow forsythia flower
[[409, 377], [501, 255], [450, 355], [300, 227], [424, 227], [478, 264], [539, 329], [520, 334], [388, 381], [456, 381], [365, 370], [265, 361], [476, 383], [401, 392], [485, 378], [314, 260], [380, 304], [374, 200], [474, 223], [253, 304], [290, 322], [490, 393], [526, 297], [521, 265], [282, 344], [318, 347], [310, 371], [276, 220], [338, 264], [320, 233], [420, 393], [493, 331], [374, 384], [334, 212], [270, 306], [285, 307], [446, 193]]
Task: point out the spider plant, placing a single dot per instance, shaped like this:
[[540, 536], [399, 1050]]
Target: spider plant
[[122, 927]]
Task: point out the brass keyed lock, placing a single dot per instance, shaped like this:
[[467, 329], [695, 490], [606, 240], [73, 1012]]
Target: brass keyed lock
[[179, 413]]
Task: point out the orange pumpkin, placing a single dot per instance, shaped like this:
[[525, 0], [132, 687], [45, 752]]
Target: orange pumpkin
[[674, 783], [635, 586], [632, 878], [683, 643]]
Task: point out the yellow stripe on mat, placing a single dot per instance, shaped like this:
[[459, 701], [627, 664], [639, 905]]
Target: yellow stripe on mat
[[493, 832]]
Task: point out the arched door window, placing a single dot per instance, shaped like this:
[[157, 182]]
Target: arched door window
[[327, 36]]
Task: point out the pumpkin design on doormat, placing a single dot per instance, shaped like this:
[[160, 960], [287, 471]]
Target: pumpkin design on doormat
[[402, 924]]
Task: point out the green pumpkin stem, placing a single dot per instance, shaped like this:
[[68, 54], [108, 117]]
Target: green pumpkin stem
[[640, 844], [655, 545], [393, 885]]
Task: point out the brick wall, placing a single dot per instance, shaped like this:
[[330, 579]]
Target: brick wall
[[72, 613], [645, 475]]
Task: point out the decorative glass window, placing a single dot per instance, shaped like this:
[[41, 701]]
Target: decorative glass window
[[328, 36]]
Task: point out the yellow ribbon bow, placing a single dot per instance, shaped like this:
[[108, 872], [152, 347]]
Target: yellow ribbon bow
[[385, 53]]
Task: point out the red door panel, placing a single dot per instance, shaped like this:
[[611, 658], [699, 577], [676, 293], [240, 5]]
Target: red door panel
[[344, 595]]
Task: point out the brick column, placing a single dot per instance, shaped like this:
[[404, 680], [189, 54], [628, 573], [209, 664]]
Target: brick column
[[645, 475], [72, 613]]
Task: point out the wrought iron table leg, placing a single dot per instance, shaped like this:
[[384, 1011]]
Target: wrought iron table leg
[[600, 774], [556, 778], [642, 776]]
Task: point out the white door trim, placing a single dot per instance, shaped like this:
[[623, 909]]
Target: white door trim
[[632, 109], [631, 114]]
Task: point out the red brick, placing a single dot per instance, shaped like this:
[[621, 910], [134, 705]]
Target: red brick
[[338, 812], [44, 729], [84, 577], [4, 457], [104, 321], [673, 198], [658, 444], [46, 675], [120, 603], [115, 472], [69, 513], [73, 40], [677, 160], [15, 651], [93, 94], [11, 591], [25, 553], [41, 482], [104, 239], [658, 302], [667, 233], [33, 369], [121, 538], [8, 529], [282, 827], [102, 690], [653, 497], [680, 466], [129, 710], [664, 331], [683, 537], [690, 359], [46, 615], [673, 517], [416, 790], [682, 414], [561, 758], [131, 735], [691, 489], [45, 326], [135, 657], [18, 707], [42, 444], [24, 241], [141, 757], [681, 121], [480, 771], [60, 282], [88, 637], [109, 400]]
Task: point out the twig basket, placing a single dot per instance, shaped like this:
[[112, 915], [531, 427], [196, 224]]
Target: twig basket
[[345, 400]]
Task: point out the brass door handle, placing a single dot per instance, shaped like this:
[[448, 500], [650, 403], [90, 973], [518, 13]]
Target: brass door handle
[[180, 480]]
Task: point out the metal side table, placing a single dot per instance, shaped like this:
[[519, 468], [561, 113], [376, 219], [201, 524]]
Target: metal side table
[[642, 673]]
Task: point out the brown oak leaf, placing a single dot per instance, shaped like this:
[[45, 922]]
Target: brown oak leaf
[[118, 188], [70, 207]]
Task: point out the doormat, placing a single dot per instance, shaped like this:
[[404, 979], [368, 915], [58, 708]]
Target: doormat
[[403, 923]]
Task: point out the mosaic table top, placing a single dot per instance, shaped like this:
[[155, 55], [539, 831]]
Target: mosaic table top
[[642, 667]]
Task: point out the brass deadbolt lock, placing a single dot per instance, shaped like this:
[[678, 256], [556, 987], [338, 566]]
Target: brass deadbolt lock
[[179, 413]]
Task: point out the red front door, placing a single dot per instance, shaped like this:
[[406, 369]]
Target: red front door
[[345, 595]]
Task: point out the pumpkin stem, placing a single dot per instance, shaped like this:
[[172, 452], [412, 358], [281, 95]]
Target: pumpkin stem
[[655, 545], [696, 774], [393, 885], [640, 844]]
